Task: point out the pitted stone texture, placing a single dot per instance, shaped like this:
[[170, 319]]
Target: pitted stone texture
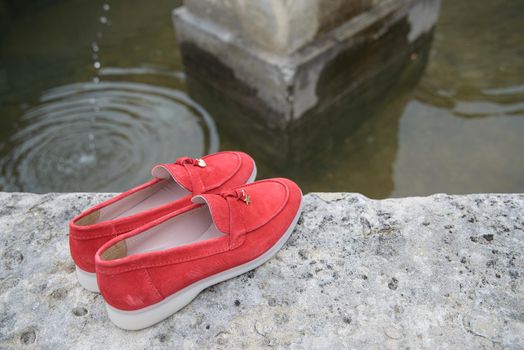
[[435, 272]]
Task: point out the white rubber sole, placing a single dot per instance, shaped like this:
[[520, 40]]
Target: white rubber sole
[[88, 279], [148, 316], [253, 174]]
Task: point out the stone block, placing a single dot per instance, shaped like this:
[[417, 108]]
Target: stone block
[[281, 86], [427, 272]]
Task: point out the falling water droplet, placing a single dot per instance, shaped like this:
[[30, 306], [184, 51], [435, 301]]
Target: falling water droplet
[[87, 159], [92, 101], [95, 56], [91, 136], [96, 80], [96, 65], [103, 19], [94, 46], [106, 7]]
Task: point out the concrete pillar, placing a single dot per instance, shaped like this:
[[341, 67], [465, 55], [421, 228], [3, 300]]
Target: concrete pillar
[[286, 59], [280, 26]]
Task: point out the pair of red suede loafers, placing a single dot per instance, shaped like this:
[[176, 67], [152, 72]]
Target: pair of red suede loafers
[[154, 248]]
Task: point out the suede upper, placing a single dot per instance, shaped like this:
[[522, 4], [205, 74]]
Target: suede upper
[[199, 179], [213, 173], [234, 217], [252, 218]]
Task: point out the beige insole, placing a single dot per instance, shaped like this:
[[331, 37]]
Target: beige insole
[[196, 225], [162, 193]]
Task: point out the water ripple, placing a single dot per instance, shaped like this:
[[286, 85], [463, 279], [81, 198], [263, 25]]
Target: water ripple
[[102, 136]]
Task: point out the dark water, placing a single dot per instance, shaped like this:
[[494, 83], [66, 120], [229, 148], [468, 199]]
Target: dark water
[[92, 93]]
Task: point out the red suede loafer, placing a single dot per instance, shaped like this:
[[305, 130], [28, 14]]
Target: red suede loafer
[[171, 189], [150, 273]]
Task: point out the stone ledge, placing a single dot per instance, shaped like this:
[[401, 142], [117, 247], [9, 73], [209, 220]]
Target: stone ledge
[[426, 272]]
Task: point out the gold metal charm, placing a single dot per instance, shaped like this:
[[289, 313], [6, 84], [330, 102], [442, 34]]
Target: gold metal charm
[[201, 163], [245, 197]]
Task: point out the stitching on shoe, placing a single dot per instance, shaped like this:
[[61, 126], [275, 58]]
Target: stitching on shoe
[[152, 285], [121, 230], [114, 271]]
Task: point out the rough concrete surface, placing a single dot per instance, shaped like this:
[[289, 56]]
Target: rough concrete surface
[[440, 272]]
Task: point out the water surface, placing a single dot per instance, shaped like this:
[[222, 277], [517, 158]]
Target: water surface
[[92, 93]]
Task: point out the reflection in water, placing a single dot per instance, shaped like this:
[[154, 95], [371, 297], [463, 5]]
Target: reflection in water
[[455, 127], [458, 129], [463, 130], [477, 64], [58, 147], [457, 155], [348, 142]]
